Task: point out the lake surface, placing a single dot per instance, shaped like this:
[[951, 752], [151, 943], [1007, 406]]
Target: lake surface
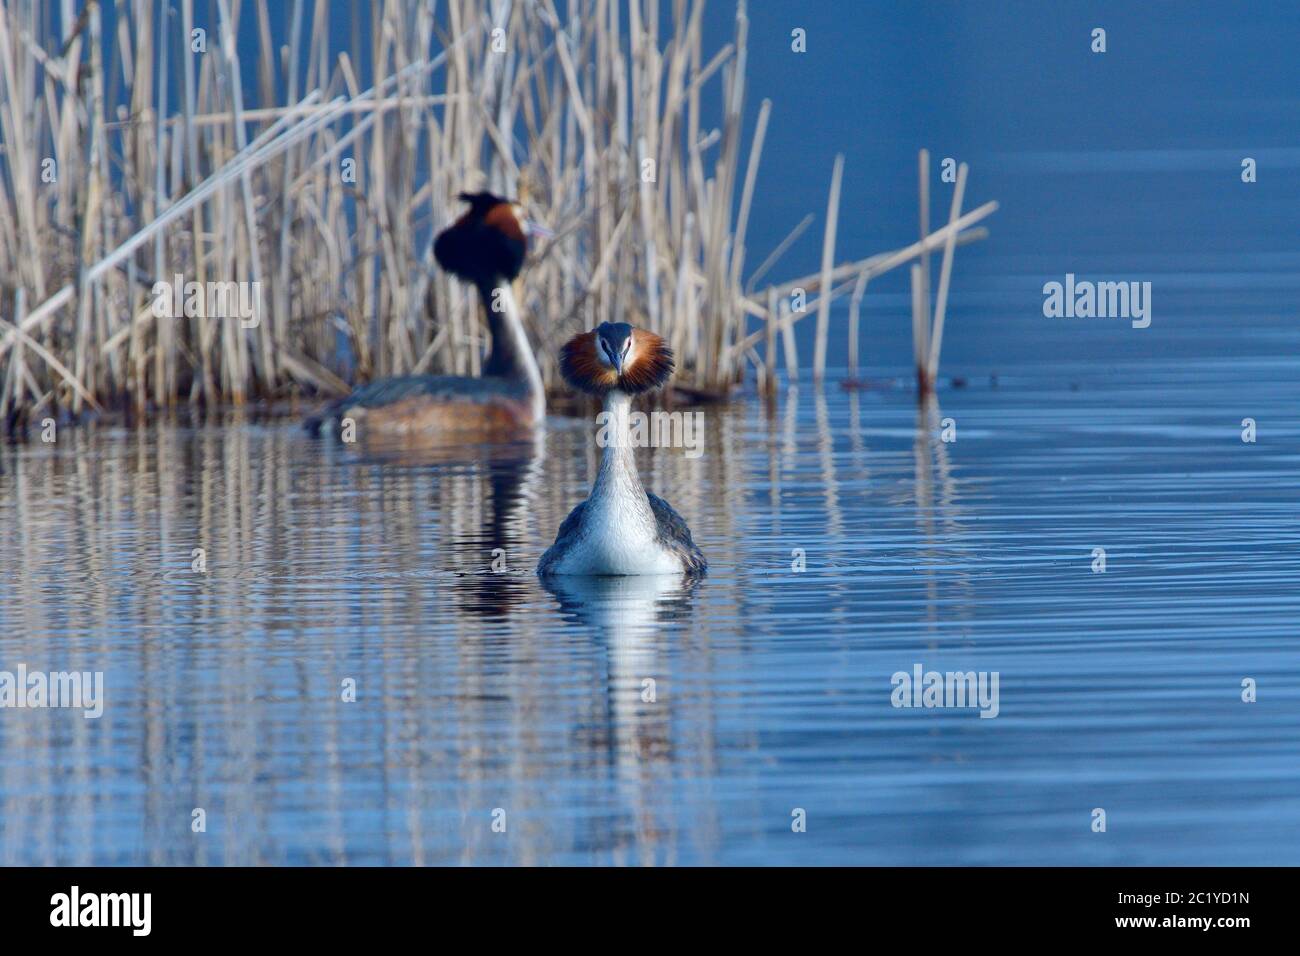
[[479, 691]]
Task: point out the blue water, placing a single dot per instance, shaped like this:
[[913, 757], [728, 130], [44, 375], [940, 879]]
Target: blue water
[[481, 691]]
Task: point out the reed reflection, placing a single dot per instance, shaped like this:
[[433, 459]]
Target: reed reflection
[[938, 511]]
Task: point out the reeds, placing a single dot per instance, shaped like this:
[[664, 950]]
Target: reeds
[[164, 164]]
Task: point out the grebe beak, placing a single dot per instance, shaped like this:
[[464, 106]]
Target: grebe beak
[[615, 357], [537, 229]]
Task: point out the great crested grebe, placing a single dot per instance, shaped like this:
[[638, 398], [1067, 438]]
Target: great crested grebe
[[485, 246], [621, 528]]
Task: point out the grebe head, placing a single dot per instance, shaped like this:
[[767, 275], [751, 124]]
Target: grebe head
[[489, 242], [616, 355], [481, 202], [483, 205]]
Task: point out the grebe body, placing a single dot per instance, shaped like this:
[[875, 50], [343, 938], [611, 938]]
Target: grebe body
[[486, 246], [621, 529], [447, 405]]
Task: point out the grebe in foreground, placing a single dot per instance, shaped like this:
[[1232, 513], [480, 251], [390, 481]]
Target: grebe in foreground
[[486, 246], [621, 528]]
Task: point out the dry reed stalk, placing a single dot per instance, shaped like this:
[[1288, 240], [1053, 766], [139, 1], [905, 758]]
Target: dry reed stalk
[[828, 263], [923, 209], [170, 165], [855, 308], [878, 265], [918, 325], [883, 262], [15, 377], [769, 345], [945, 276], [788, 344]]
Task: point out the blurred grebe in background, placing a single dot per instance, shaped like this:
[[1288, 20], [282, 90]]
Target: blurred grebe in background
[[621, 528], [485, 246]]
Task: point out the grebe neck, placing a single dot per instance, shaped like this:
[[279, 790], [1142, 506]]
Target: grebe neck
[[617, 479], [511, 356]]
